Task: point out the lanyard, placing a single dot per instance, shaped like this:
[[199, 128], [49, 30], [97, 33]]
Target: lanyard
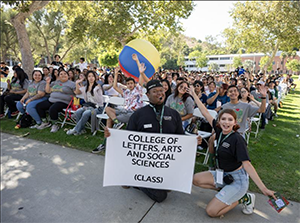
[[161, 116], [219, 142]]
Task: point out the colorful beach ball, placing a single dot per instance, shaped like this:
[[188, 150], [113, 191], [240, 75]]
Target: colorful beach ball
[[146, 53]]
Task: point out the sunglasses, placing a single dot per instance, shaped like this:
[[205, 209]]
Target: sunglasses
[[182, 87]]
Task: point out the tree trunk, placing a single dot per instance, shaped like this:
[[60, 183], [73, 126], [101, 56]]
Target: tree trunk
[[271, 57], [19, 24]]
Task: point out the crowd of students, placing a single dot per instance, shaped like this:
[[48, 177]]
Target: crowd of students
[[239, 95]]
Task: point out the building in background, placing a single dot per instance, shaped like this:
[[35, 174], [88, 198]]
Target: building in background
[[225, 62]]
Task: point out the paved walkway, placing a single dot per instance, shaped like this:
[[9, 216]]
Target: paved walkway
[[42, 182]]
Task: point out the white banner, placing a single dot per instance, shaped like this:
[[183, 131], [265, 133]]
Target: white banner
[[160, 161]]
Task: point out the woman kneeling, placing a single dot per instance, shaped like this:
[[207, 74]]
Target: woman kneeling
[[233, 166]]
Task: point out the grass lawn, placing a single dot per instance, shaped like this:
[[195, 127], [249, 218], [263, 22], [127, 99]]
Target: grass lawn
[[274, 153]]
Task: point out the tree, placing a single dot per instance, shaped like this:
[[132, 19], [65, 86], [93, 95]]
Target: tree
[[248, 64], [109, 59], [293, 65], [237, 62], [263, 61], [24, 9], [115, 22], [267, 26], [9, 41], [201, 59], [214, 67]]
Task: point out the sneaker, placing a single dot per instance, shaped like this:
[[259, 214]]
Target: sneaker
[[248, 206], [35, 126], [276, 115], [118, 125], [71, 131], [100, 148], [80, 133], [44, 125], [54, 128], [15, 113], [17, 126], [2, 116]]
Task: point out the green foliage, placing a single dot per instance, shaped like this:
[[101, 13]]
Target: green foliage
[[263, 61], [201, 59], [9, 41], [214, 67], [293, 65], [248, 64], [109, 59], [237, 62], [265, 26]]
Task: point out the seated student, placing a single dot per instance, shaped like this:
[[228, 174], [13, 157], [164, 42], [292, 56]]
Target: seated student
[[168, 91], [61, 92], [46, 72], [17, 88], [108, 86], [4, 69], [34, 95], [181, 101], [219, 95], [233, 166], [133, 100], [93, 105], [258, 97], [199, 89], [273, 95]]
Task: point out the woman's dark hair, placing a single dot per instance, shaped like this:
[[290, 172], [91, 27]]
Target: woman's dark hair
[[201, 85], [106, 78], [169, 91], [88, 83], [240, 95], [21, 76], [72, 70], [15, 67], [38, 72], [185, 95], [60, 71], [231, 112], [53, 77]]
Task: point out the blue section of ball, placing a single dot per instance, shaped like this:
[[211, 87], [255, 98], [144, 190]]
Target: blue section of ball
[[125, 58]]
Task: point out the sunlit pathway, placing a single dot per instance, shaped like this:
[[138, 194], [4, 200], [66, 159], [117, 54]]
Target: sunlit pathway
[[42, 182]]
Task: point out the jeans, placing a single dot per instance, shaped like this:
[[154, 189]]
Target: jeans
[[31, 109], [82, 116]]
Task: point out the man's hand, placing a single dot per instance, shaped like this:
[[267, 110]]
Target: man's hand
[[106, 132], [199, 140], [263, 90], [117, 69]]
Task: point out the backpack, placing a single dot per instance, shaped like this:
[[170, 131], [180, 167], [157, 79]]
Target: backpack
[[25, 121]]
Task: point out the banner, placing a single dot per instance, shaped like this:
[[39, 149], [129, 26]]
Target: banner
[[160, 161]]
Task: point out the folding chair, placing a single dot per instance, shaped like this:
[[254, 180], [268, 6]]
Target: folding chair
[[204, 135], [118, 101], [256, 121]]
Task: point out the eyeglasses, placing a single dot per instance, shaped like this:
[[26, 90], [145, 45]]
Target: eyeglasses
[[182, 87], [243, 91], [197, 85]]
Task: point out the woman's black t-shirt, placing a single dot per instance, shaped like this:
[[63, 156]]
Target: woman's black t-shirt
[[232, 151]]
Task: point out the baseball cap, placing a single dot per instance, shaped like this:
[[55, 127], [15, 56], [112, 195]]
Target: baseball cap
[[153, 84]]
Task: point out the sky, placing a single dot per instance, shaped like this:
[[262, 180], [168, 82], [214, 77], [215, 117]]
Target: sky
[[208, 18]]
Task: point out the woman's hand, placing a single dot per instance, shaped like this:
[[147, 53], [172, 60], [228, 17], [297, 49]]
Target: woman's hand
[[106, 132], [191, 91], [27, 102], [48, 80], [269, 193], [79, 81], [142, 68], [22, 100], [251, 97], [263, 90]]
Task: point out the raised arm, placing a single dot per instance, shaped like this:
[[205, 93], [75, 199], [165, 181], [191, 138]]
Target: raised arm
[[209, 101], [77, 90], [201, 106], [115, 85], [142, 78], [263, 91], [47, 88]]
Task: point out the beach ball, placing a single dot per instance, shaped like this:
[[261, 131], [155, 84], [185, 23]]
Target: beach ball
[[146, 54]]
